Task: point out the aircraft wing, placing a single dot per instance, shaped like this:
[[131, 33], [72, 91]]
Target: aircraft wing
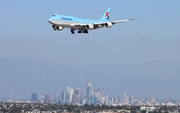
[[114, 22], [78, 25], [97, 24], [120, 21]]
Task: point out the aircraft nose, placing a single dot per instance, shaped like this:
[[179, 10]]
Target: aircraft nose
[[49, 20]]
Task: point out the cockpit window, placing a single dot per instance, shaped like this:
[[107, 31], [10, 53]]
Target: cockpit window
[[53, 15]]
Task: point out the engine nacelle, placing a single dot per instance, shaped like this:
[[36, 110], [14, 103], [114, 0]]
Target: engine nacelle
[[108, 24], [90, 26], [59, 28]]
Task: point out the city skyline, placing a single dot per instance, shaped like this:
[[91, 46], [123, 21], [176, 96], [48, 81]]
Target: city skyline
[[77, 96]]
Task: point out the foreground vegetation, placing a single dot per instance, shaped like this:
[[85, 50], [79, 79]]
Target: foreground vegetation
[[30, 107]]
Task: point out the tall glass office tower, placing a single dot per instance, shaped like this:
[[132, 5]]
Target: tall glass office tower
[[89, 92]]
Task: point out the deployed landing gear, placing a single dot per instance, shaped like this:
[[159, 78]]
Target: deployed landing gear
[[54, 27], [72, 31], [79, 31], [85, 31]]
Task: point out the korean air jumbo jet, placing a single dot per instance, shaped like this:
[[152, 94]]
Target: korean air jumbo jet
[[59, 22]]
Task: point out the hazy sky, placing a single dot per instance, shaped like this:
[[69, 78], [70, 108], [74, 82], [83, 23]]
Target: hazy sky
[[153, 37]]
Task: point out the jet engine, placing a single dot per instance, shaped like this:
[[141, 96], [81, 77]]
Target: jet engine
[[59, 28], [108, 24], [90, 26]]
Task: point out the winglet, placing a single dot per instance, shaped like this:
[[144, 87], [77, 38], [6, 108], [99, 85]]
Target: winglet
[[106, 15]]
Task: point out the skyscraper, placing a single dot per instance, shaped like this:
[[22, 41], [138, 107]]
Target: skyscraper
[[112, 101], [102, 100], [68, 88], [71, 92], [101, 91], [63, 96], [125, 99], [57, 99], [74, 98], [78, 92], [131, 100], [89, 92], [34, 97], [47, 98], [106, 100], [97, 96]]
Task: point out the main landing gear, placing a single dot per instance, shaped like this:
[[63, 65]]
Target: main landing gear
[[79, 31], [72, 31], [85, 31]]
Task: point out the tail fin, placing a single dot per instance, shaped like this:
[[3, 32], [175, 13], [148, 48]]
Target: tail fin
[[106, 15]]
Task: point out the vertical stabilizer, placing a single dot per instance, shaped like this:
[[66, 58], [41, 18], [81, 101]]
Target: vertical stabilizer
[[106, 15]]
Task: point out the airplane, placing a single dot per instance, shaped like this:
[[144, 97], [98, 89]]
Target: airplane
[[59, 22]]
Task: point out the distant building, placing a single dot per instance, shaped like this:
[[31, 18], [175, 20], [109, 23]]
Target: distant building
[[47, 98], [34, 97], [112, 100], [101, 91], [93, 100], [74, 99], [84, 101], [89, 92], [57, 99], [124, 99], [41, 99], [132, 100], [106, 100], [116, 101], [102, 100], [68, 88], [71, 92], [79, 94], [148, 109], [97, 96], [152, 100], [63, 96]]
